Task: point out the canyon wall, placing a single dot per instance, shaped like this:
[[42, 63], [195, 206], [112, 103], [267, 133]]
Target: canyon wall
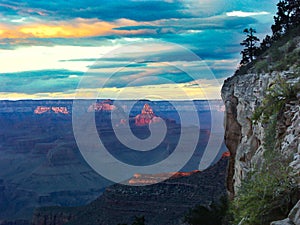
[[242, 95]]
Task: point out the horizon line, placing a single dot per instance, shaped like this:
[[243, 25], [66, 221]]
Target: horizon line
[[81, 99]]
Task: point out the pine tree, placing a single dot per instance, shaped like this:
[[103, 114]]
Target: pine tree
[[295, 12], [287, 16], [265, 44], [282, 18], [250, 51]]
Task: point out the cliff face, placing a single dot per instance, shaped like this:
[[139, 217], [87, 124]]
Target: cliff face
[[242, 94], [162, 203]]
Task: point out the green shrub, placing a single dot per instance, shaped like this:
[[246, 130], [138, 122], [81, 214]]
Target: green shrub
[[268, 192], [292, 45], [262, 66], [277, 96], [264, 197], [275, 54], [287, 61]]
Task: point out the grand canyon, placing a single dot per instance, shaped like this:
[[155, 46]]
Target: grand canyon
[[41, 165]]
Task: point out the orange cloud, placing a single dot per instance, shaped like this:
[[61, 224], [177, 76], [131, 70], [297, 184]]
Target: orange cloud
[[74, 28]]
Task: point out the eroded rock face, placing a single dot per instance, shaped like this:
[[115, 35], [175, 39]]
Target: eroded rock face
[[61, 110], [147, 179], [105, 106], [48, 109], [242, 94], [42, 109], [293, 218], [146, 117], [294, 215]]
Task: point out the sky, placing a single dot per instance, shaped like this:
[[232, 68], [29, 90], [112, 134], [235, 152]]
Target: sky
[[125, 49]]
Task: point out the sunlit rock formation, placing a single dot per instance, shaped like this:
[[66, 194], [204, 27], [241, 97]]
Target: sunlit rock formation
[[106, 105], [41, 109], [55, 109], [146, 117], [146, 179], [62, 110]]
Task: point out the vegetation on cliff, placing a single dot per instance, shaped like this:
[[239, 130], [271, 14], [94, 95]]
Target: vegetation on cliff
[[270, 191], [279, 94], [279, 51]]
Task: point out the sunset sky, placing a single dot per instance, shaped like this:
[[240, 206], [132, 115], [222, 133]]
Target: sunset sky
[[123, 48]]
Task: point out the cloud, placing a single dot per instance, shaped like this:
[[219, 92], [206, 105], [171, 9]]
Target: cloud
[[246, 14], [31, 82], [136, 75], [141, 11], [89, 9], [68, 29], [207, 90], [79, 28], [186, 25], [49, 58], [55, 42]]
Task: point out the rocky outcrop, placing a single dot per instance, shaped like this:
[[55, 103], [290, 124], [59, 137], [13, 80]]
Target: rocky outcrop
[[232, 137], [148, 179], [293, 218], [106, 105], [61, 110], [55, 109], [242, 94], [41, 109], [146, 117]]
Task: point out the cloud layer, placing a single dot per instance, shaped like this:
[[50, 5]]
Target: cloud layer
[[47, 46]]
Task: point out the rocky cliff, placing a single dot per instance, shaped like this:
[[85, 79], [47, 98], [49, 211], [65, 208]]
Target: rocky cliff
[[242, 94], [245, 138]]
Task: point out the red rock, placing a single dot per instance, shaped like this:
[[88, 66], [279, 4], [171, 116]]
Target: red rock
[[56, 109], [226, 154], [145, 179], [62, 110], [41, 109], [106, 105], [146, 117]]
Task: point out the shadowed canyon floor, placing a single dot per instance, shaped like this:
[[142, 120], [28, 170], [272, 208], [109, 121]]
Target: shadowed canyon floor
[[163, 203], [40, 164]]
